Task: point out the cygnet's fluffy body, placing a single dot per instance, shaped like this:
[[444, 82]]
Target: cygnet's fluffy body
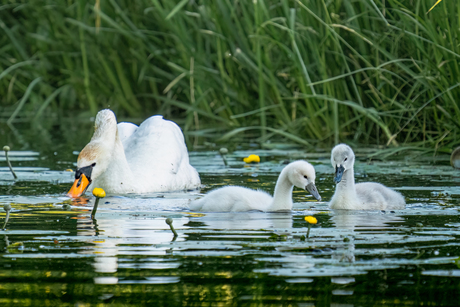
[[361, 196], [126, 158], [234, 198]]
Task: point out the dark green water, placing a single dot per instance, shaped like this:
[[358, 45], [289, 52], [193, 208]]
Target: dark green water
[[128, 255]]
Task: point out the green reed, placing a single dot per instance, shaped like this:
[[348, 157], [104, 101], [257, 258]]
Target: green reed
[[310, 72]]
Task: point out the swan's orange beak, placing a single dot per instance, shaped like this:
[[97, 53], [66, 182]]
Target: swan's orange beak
[[79, 186]]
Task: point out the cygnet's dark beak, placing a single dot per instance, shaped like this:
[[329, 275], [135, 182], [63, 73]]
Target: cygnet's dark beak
[[338, 173], [312, 189]]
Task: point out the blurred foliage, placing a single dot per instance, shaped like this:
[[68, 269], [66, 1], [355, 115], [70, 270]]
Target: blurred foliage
[[309, 72]]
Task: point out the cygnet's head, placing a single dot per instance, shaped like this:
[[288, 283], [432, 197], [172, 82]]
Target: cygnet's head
[[95, 157], [302, 174], [342, 159]]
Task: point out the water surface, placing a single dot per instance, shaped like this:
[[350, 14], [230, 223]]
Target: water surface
[[53, 254]]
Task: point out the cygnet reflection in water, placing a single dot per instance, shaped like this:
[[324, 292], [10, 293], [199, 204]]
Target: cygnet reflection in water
[[364, 219]]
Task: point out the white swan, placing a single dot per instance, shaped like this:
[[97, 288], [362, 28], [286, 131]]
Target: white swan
[[233, 198], [362, 196], [455, 158], [125, 158]]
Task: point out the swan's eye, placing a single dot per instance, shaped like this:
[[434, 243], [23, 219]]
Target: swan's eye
[[305, 176], [345, 159], [93, 165]]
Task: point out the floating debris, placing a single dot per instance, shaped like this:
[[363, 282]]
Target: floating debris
[[16, 247]]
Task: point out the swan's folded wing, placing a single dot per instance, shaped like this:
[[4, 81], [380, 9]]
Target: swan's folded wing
[[376, 196], [232, 199], [156, 151], [125, 131]]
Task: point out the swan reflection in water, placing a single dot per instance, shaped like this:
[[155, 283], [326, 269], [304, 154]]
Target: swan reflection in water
[[128, 226], [136, 226], [351, 219], [360, 221]]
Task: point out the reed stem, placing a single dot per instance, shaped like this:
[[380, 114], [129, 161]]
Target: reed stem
[[93, 212], [7, 149], [169, 221], [7, 208]]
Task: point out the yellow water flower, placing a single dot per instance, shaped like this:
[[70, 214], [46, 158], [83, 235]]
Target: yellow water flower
[[252, 158], [310, 220], [98, 192]]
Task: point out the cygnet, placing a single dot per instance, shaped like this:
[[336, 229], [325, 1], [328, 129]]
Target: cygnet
[[234, 198], [361, 196]]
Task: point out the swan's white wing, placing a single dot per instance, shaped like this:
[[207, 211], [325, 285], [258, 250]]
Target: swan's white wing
[[125, 130], [158, 156], [379, 197]]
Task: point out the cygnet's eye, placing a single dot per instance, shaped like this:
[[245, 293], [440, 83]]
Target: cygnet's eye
[[305, 176], [345, 159]]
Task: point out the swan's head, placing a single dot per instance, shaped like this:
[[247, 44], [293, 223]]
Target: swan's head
[[302, 174], [342, 159], [94, 159]]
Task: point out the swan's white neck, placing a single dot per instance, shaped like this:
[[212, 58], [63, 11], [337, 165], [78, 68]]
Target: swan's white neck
[[118, 175], [282, 198], [346, 187]]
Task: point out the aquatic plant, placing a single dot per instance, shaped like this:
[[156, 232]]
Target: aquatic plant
[[378, 72], [7, 209], [6, 149], [169, 221], [311, 221], [16, 247], [252, 159], [98, 193], [223, 153]]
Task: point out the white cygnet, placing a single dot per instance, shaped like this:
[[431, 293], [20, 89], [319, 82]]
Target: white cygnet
[[362, 196], [234, 198]]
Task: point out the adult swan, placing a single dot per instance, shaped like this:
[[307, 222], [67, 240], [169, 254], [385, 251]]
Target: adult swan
[[125, 158]]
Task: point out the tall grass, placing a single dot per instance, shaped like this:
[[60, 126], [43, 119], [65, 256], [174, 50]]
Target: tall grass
[[312, 72]]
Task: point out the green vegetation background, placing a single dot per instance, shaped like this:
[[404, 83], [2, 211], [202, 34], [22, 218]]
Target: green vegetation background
[[310, 72]]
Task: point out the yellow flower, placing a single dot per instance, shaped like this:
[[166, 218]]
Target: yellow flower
[[252, 158], [311, 220], [98, 192]]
